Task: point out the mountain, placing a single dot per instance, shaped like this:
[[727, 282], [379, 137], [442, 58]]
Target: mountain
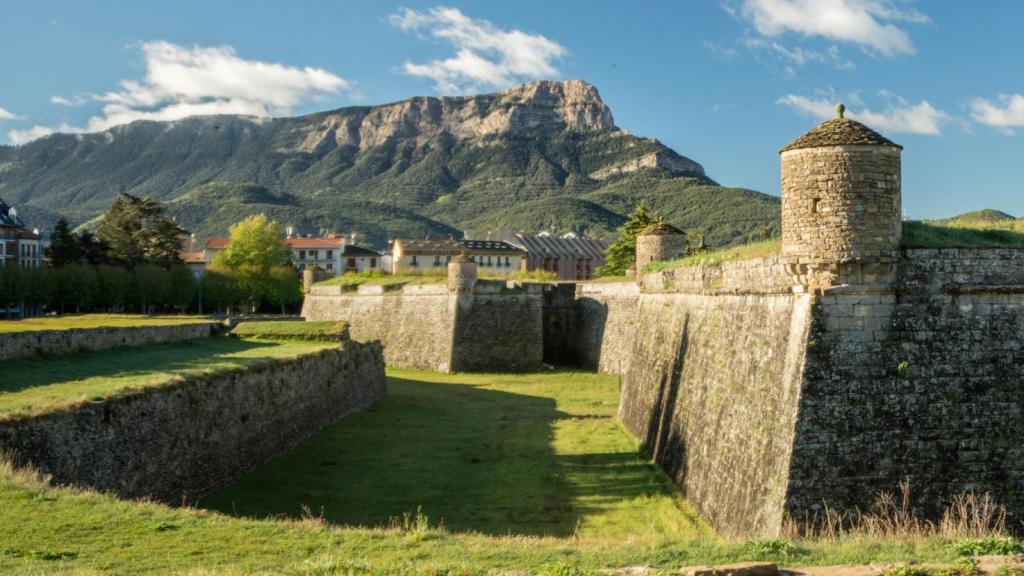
[[542, 155]]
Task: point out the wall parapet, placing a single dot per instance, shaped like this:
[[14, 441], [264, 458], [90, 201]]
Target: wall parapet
[[56, 342], [178, 442], [765, 275]]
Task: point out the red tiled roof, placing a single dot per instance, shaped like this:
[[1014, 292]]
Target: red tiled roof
[[217, 243]]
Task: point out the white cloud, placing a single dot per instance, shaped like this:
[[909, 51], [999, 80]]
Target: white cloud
[[18, 137], [185, 81], [74, 101], [8, 115], [1005, 115], [485, 56], [898, 117], [867, 23]]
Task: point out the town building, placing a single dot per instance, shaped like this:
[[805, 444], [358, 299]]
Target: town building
[[491, 256], [19, 246], [569, 256], [333, 256]]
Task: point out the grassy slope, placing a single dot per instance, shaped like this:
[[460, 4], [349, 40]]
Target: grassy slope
[[574, 457], [288, 330], [36, 384], [95, 321]]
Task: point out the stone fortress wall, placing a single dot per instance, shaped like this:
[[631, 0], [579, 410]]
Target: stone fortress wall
[[55, 342], [463, 325], [179, 442]]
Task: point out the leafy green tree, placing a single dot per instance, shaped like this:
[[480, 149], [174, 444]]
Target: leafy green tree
[[622, 254], [64, 246], [182, 284], [284, 288], [151, 287], [112, 288], [93, 250], [218, 289], [136, 232], [254, 250]]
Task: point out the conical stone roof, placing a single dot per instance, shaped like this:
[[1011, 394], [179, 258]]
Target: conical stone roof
[[660, 229], [840, 132]]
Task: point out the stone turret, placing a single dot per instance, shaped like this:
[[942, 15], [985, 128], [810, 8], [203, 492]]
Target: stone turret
[[841, 206], [658, 242], [462, 274]]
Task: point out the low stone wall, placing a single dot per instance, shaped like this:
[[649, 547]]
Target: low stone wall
[[495, 328], [766, 275], [711, 388], [32, 342], [606, 324], [177, 443]]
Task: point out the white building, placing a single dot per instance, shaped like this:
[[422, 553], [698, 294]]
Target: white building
[[18, 245], [333, 256], [492, 256]]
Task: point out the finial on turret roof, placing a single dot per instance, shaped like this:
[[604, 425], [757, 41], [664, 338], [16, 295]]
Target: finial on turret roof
[[840, 109]]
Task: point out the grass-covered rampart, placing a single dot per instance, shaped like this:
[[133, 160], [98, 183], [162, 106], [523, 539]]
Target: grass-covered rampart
[[84, 321], [44, 383], [291, 330]]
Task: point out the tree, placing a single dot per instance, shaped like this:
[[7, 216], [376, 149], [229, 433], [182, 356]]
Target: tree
[[253, 251], [137, 232], [284, 288], [622, 254], [64, 246], [218, 290], [182, 287], [151, 287], [93, 250]]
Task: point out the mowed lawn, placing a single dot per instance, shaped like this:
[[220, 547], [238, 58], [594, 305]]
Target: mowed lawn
[[537, 454], [40, 383], [68, 322]]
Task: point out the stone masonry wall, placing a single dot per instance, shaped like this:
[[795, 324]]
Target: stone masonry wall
[[414, 324], [491, 328], [841, 203], [711, 388], [178, 442], [55, 342], [606, 325], [924, 384]]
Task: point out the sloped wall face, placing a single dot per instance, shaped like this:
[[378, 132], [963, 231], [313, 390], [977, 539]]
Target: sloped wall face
[[712, 390], [56, 342], [415, 326], [925, 384], [180, 442], [606, 325], [500, 332]]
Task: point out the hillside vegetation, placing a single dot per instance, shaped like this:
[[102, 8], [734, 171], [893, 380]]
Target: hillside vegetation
[[542, 156]]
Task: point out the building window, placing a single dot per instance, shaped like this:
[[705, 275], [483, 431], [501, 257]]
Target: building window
[[351, 262], [373, 262], [488, 260], [414, 262], [330, 254], [437, 260], [302, 254], [330, 266]]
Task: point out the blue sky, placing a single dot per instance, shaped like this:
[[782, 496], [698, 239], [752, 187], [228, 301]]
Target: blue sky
[[726, 83]]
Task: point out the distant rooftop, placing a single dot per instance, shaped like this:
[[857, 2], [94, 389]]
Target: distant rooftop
[[660, 229], [7, 219]]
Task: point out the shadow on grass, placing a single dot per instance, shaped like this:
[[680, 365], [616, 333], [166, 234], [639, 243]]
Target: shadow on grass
[[470, 458], [123, 362]]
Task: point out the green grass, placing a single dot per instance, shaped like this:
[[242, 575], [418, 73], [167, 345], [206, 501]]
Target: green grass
[[95, 321], [40, 384], [772, 247], [377, 278], [970, 233], [530, 455], [289, 330], [495, 457]]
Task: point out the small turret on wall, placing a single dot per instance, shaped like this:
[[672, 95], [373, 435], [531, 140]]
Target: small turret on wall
[[658, 242], [462, 277], [841, 205]]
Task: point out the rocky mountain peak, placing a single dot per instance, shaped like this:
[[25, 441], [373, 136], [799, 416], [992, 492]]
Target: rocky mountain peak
[[543, 106]]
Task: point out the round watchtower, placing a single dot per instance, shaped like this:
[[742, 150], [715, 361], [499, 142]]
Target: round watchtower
[[462, 274], [840, 196], [658, 242]]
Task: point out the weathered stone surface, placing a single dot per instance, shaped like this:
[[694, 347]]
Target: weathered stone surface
[[55, 342], [711, 388], [483, 327], [179, 442], [606, 325], [741, 569]]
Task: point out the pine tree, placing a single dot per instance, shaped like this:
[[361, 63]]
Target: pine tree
[[136, 232], [64, 247], [622, 254]]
